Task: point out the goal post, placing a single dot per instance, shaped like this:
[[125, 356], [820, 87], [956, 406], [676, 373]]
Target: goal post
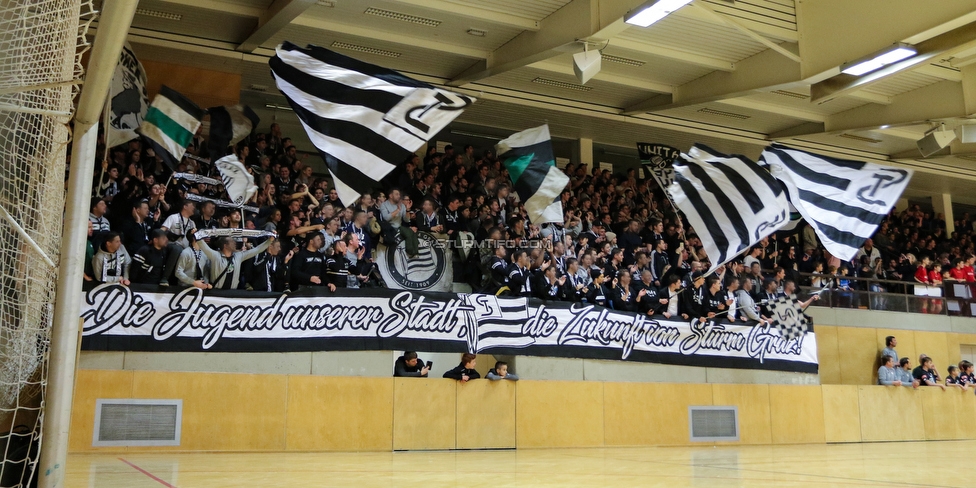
[[114, 21]]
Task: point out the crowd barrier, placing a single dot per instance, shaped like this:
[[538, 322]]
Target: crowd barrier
[[243, 412]]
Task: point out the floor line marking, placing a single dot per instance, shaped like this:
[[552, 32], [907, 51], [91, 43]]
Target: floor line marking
[[147, 473]]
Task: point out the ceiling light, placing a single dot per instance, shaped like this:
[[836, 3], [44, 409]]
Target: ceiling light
[[365, 49], [477, 32], [157, 14], [561, 84], [892, 54], [653, 11], [413, 19], [722, 113], [278, 107], [326, 3], [257, 87], [620, 60]]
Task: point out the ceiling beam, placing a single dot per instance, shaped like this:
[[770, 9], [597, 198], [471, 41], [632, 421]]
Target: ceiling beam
[[567, 69], [790, 50], [765, 71], [938, 71], [870, 97], [370, 33], [768, 30], [775, 109], [560, 32], [219, 6], [278, 15], [941, 46], [670, 53], [475, 13]]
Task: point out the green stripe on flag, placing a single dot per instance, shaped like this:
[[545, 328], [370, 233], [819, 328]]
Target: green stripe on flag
[[168, 126], [516, 166]]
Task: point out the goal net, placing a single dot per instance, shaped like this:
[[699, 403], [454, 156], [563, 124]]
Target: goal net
[[41, 43]]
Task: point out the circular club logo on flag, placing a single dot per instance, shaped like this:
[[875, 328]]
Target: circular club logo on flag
[[421, 271]]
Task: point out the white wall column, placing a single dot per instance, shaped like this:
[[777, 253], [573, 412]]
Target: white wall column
[[942, 204], [585, 148]]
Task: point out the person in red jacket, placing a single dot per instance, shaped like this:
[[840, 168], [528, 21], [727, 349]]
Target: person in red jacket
[[958, 272], [922, 272]]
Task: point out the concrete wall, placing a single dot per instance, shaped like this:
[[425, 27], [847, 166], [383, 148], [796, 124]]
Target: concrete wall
[[228, 412]]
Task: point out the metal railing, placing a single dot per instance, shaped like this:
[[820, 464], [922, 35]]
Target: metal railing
[[951, 298]]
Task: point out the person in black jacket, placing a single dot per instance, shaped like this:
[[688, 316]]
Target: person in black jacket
[[337, 265], [464, 371], [308, 268], [271, 269], [409, 365], [519, 277], [596, 293], [623, 296], [716, 300], [148, 262], [547, 286]]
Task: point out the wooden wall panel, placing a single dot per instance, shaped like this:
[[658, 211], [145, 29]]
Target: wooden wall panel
[[940, 414], [486, 414], [842, 417], [207, 88], [642, 414], [424, 413], [796, 414], [222, 412], [90, 385], [936, 345], [753, 403], [828, 355], [339, 413], [954, 343], [890, 413], [857, 355], [560, 413]]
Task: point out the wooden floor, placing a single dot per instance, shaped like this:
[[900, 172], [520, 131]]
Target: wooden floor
[[929, 464]]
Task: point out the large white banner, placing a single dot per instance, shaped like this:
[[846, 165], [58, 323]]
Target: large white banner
[[119, 318]]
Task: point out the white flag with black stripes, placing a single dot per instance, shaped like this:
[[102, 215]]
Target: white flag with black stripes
[[730, 201], [365, 120], [843, 200]]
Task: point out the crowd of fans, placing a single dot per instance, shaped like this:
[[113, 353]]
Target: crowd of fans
[[621, 244]]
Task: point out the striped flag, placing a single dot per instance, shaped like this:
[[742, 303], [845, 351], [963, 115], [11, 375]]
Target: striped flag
[[730, 201], [500, 322], [528, 157], [237, 181], [843, 200], [228, 126], [363, 119], [170, 123]]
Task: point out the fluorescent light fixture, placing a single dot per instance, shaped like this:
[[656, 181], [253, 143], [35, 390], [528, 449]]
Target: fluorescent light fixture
[[654, 11], [278, 107], [878, 60]]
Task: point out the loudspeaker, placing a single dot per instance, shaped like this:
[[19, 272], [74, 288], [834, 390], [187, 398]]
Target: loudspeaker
[[935, 142], [967, 134], [586, 65]]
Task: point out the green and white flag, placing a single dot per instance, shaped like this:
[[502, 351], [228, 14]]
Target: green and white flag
[[170, 123], [528, 157]]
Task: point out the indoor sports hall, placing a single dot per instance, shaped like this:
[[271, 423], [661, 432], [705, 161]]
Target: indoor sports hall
[[487, 243]]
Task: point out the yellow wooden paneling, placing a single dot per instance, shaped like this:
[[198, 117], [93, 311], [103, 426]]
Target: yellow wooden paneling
[[486, 414], [424, 413], [966, 414], [905, 347], [857, 356], [645, 414], [222, 412], [936, 345], [90, 385], [828, 355], [335, 413], [560, 413], [890, 413], [206, 88], [842, 422], [796, 414], [956, 340], [753, 403], [939, 412]]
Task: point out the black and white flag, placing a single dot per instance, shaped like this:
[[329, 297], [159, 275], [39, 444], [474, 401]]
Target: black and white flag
[[730, 201], [788, 318], [195, 178], [363, 119], [843, 200], [658, 162], [128, 100]]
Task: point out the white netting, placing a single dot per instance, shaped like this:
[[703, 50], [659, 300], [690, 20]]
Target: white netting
[[41, 42]]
